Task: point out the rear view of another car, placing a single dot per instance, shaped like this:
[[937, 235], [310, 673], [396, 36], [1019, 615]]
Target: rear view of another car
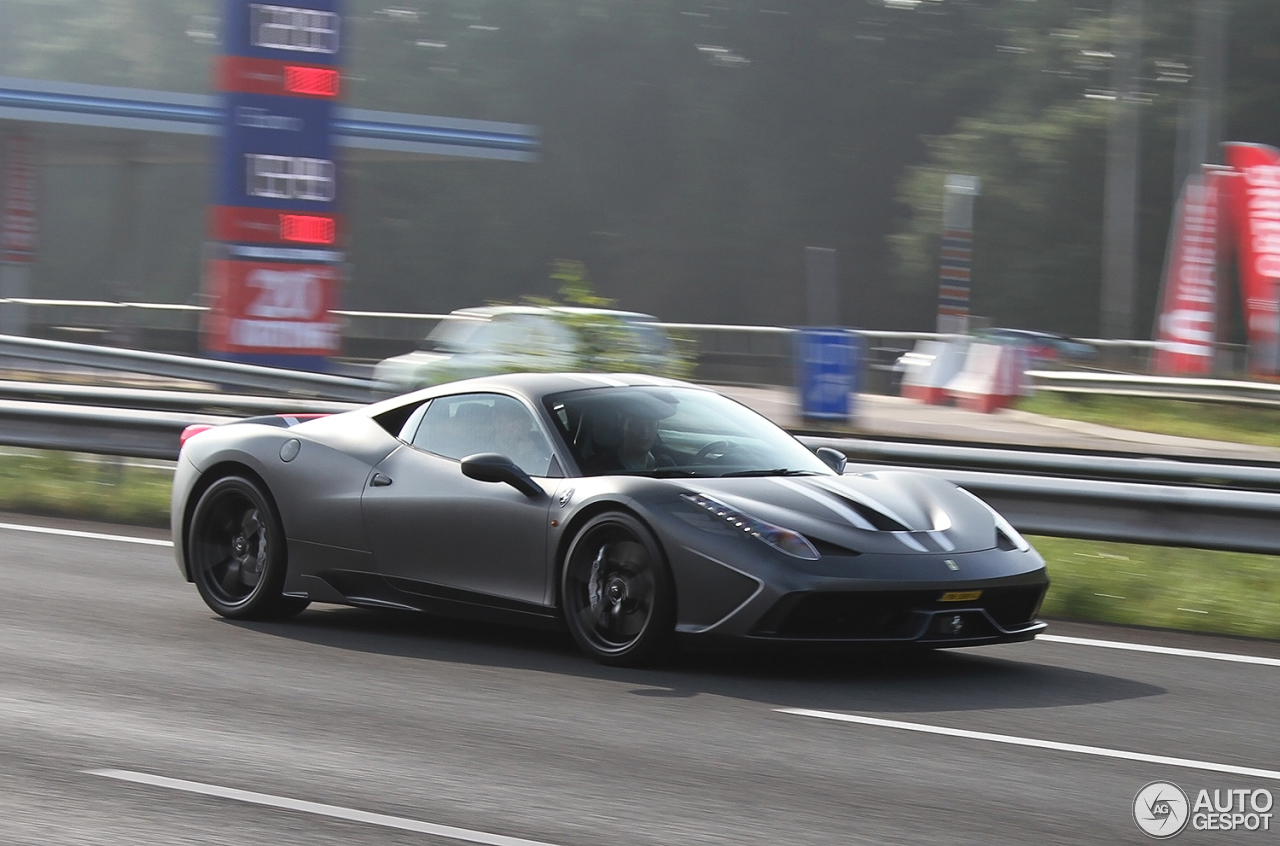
[[512, 339], [482, 342]]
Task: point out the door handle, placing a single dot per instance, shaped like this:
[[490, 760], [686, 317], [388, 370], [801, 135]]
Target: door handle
[[379, 481]]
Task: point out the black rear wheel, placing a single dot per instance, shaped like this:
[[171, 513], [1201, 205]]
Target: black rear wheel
[[616, 590], [236, 551]]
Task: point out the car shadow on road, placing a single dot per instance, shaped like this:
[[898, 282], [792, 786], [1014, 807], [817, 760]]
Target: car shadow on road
[[1015, 676]]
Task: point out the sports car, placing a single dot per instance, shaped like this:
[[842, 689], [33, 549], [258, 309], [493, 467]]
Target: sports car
[[634, 511]]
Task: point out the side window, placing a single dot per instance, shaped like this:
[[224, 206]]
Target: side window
[[463, 425], [544, 343], [503, 336]]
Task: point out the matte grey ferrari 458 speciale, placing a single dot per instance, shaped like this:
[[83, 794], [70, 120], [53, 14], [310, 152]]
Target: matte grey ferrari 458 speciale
[[632, 510]]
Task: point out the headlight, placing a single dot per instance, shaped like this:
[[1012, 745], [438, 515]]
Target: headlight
[[784, 540]]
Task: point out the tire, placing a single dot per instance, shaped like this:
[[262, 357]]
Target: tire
[[616, 591], [236, 551]]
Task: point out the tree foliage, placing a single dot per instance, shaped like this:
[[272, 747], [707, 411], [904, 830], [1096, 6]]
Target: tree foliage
[[691, 150]]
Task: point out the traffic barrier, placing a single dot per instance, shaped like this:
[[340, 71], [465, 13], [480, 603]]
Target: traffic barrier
[[993, 376], [929, 367]]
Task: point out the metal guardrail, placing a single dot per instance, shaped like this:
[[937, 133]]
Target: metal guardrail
[[1154, 511], [1157, 515], [728, 354], [253, 377], [1159, 502], [1031, 462], [1163, 470], [231, 405], [1138, 500], [131, 433], [1233, 391]]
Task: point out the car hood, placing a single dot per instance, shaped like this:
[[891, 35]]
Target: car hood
[[883, 511], [402, 369]]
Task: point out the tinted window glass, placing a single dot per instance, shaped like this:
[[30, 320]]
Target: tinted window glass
[[463, 425], [673, 431]]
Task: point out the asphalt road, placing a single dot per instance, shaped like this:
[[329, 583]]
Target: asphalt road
[[129, 714]]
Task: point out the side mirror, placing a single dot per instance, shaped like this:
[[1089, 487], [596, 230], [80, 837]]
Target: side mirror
[[491, 467], [833, 458]]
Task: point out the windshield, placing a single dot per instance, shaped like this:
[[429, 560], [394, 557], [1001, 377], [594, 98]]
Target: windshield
[[673, 432], [454, 335]]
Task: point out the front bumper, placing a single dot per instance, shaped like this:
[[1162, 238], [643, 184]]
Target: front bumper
[[931, 617], [985, 597]]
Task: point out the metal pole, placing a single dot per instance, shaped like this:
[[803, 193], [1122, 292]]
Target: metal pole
[[1211, 49], [1120, 216]]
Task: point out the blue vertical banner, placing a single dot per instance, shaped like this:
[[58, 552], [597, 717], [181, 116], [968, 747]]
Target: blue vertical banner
[[274, 272], [827, 372]]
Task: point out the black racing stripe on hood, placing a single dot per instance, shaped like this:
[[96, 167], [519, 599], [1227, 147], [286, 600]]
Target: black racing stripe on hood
[[882, 521]]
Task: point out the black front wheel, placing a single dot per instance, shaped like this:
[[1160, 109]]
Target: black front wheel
[[236, 552], [616, 590]]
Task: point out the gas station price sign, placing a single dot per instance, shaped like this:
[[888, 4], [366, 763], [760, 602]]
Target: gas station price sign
[[278, 182]]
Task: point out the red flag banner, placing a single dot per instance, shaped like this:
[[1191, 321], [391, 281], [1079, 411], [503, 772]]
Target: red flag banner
[[1256, 212], [1187, 326]]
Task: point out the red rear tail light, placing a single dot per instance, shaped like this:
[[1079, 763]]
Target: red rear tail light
[[193, 429]]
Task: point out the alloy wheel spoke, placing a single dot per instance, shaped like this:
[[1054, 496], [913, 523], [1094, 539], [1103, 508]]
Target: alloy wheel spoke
[[590, 618], [230, 579], [250, 523]]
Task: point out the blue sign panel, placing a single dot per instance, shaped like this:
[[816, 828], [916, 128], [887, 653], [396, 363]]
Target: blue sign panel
[[827, 372], [277, 153]]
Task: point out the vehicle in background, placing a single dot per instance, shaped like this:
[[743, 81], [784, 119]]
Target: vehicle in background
[[1042, 347], [489, 340]]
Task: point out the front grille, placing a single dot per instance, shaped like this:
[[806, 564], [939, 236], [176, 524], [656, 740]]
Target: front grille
[[889, 615], [848, 615], [1013, 607]]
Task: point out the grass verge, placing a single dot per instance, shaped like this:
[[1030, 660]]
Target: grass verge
[[1186, 589], [63, 484], [1214, 421]]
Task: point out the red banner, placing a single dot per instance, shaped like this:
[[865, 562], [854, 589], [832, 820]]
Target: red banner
[[18, 207], [1187, 326], [272, 307], [1256, 212]]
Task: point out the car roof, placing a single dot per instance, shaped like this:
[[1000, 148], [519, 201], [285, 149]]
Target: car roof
[[532, 386], [489, 312]]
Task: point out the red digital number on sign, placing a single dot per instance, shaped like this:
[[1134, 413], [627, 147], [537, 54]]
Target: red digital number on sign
[[314, 82], [307, 229]]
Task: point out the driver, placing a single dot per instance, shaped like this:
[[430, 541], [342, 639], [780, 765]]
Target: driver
[[627, 437], [639, 433]]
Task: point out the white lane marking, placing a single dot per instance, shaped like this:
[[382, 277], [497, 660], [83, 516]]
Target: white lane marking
[[1161, 650], [334, 811], [1012, 740], [70, 533]]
